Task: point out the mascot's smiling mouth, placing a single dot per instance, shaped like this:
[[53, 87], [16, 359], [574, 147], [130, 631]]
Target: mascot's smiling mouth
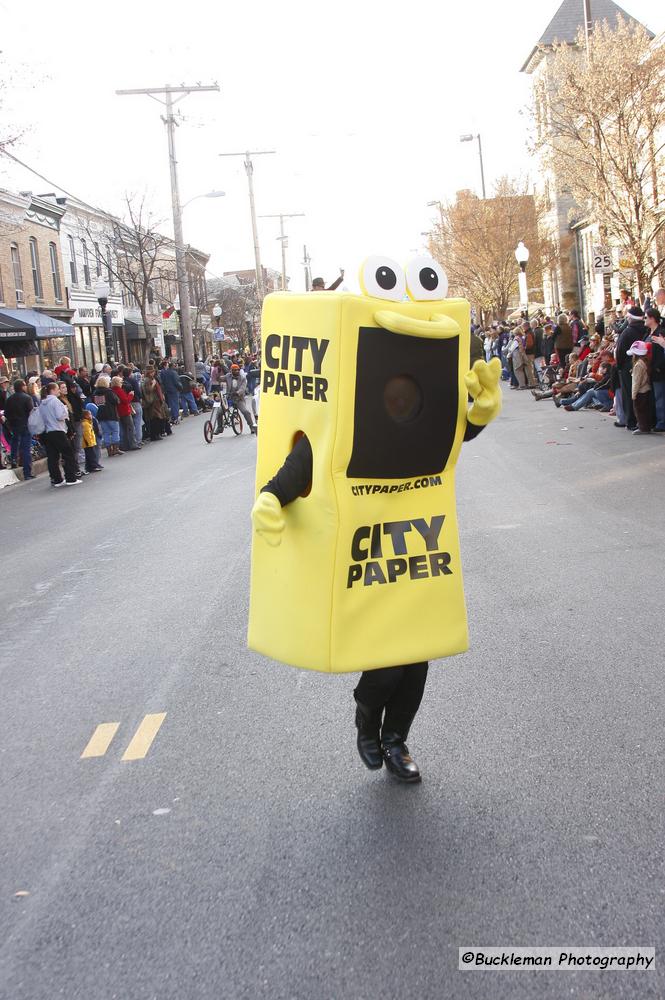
[[439, 327]]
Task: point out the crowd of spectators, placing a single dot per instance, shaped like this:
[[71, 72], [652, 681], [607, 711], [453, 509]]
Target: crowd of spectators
[[73, 413], [617, 368]]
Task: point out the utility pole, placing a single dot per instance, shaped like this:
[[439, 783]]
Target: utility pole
[[180, 260], [282, 236], [249, 169], [307, 261], [588, 24]]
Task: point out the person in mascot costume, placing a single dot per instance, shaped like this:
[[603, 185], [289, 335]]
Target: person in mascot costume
[[355, 550]]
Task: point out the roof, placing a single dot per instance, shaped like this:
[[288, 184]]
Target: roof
[[569, 18]]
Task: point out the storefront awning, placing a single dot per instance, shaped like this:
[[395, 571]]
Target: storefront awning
[[28, 324]]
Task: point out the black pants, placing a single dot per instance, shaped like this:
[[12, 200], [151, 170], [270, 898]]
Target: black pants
[[627, 398], [642, 410], [59, 446], [155, 427], [397, 689]]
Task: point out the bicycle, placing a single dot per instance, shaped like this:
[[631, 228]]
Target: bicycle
[[221, 417]]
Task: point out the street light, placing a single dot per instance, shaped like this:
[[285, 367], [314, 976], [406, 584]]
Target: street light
[[522, 258], [102, 291], [437, 204], [217, 313], [469, 137], [210, 194]]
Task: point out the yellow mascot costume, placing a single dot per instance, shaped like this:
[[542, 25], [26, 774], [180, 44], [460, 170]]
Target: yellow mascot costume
[[356, 566]]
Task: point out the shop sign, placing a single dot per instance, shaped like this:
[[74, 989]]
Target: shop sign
[[88, 312]]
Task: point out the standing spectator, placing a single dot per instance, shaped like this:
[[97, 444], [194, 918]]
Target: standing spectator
[[92, 409], [563, 339], [170, 383], [64, 371], [201, 372], [641, 387], [90, 443], [83, 381], [548, 343], [576, 326], [4, 396], [216, 375], [539, 357], [71, 396], [518, 357], [153, 406], [96, 372], [253, 373], [187, 400], [132, 383], [18, 408], [127, 440], [106, 402], [529, 341], [653, 322], [57, 444], [34, 389], [633, 330]]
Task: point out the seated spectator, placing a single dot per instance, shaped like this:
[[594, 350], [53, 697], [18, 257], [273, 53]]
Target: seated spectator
[[594, 393]]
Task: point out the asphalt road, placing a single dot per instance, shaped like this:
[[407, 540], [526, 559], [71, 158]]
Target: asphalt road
[[249, 854]]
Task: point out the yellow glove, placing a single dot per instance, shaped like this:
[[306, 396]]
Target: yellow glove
[[268, 519], [482, 384]]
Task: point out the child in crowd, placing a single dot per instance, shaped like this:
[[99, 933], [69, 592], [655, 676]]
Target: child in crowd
[[93, 458], [89, 443], [641, 387]]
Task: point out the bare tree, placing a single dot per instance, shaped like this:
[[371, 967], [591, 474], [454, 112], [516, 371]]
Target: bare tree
[[602, 127], [140, 259], [475, 242], [238, 300]]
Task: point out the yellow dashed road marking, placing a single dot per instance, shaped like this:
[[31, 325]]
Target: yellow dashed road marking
[[100, 740], [143, 737]]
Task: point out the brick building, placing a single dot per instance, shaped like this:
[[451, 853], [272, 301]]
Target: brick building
[[32, 278]]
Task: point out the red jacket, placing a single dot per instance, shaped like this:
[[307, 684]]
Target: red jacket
[[124, 401]]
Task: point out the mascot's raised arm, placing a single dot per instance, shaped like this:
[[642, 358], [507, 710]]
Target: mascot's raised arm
[[366, 401]]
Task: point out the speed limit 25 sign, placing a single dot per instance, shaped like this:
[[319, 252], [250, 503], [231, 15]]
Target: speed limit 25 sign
[[602, 260]]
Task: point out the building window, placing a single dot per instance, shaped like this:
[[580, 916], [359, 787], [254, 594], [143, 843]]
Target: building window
[[18, 274], [98, 261], [2, 293], [86, 264], [36, 273], [72, 261], [55, 272], [109, 271], [150, 295]]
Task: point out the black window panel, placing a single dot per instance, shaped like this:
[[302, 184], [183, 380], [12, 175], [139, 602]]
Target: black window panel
[[384, 448]]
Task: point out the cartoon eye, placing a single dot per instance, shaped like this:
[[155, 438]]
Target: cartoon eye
[[426, 279], [383, 278]]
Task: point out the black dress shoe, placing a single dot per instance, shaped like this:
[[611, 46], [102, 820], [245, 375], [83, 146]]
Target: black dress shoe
[[398, 760], [368, 721]]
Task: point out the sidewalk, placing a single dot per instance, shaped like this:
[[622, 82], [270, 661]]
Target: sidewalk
[[10, 477]]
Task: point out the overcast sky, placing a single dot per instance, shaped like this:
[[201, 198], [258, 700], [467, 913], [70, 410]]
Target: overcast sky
[[364, 102]]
